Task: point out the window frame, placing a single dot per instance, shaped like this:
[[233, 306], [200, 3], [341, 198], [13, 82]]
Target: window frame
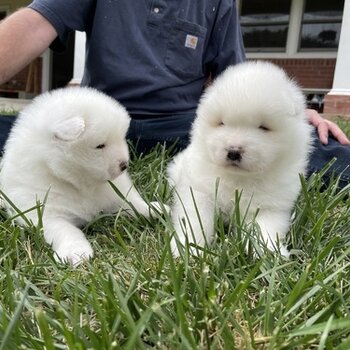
[[293, 38], [317, 21], [266, 23]]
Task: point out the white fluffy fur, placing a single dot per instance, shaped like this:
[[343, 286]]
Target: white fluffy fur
[[254, 115], [67, 145]]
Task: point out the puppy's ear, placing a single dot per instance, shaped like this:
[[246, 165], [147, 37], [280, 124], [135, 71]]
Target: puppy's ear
[[70, 129]]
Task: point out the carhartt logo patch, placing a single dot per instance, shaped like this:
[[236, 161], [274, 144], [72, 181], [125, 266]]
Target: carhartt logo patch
[[191, 41]]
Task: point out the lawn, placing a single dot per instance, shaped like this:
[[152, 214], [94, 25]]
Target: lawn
[[134, 295]]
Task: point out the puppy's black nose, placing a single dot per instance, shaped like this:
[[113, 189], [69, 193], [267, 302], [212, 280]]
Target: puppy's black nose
[[234, 155], [123, 166]]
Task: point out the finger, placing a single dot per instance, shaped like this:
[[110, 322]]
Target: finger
[[323, 131], [338, 134]]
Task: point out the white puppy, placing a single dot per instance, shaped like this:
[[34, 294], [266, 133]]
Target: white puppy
[[251, 135], [67, 145]]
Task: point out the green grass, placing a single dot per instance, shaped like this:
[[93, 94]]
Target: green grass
[[134, 295], [9, 112]]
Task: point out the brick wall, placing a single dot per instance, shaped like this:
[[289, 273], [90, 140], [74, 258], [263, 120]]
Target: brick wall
[[337, 105], [309, 73]]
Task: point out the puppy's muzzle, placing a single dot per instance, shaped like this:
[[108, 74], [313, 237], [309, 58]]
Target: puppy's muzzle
[[123, 166], [235, 155]]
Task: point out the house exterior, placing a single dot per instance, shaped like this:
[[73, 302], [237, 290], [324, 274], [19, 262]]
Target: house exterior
[[310, 39]]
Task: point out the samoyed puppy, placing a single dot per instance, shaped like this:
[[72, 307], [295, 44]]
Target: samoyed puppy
[[63, 150], [251, 135]]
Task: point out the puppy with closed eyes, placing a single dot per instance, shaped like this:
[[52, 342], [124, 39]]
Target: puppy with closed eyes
[[251, 135]]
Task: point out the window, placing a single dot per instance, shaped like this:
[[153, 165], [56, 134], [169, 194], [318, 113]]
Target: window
[[265, 24], [321, 25]]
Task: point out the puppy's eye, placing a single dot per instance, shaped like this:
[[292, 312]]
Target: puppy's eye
[[101, 146], [221, 124], [264, 128]]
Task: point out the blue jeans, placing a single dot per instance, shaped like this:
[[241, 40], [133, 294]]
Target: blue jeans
[[6, 123], [323, 154], [172, 131], [145, 134]]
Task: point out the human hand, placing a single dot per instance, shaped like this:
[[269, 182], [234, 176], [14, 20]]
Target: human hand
[[325, 127]]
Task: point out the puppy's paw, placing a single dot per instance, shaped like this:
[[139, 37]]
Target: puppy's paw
[[74, 252], [174, 248], [158, 208], [284, 251], [281, 249]]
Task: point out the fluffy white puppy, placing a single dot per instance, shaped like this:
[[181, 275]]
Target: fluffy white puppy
[[251, 135], [63, 150]]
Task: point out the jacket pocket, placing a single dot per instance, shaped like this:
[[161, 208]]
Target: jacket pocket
[[185, 49]]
